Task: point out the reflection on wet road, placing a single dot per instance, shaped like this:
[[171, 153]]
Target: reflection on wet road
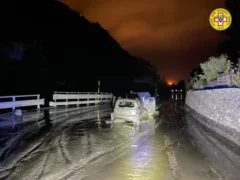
[[86, 145]]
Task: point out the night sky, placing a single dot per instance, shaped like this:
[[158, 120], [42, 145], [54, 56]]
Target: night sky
[[175, 35]]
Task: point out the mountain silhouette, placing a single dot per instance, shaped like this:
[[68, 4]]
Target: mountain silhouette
[[47, 46]]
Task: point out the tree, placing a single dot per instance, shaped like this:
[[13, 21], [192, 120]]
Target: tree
[[181, 85], [164, 90], [196, 71]]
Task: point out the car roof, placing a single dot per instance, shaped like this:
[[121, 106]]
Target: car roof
[[128, 99]]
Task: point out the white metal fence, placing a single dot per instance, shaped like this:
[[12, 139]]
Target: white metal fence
[[17, 101], [59, 99], [79, 98]]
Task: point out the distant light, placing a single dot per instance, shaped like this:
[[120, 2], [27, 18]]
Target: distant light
[[175, 90], [172, 90], [170, 83], [181, 90]]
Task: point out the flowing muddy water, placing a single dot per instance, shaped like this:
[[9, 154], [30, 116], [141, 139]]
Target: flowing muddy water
[[87, 146]]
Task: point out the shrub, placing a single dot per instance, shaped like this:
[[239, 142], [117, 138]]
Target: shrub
[[192, 80], [211, 69], [200, 82], [236, 79], [197, 82], [229, 66], [214, 66]]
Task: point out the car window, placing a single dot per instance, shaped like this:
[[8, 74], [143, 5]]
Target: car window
[[132, 96], [129, 104]]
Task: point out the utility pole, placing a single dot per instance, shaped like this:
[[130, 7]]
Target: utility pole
[[98, 87]]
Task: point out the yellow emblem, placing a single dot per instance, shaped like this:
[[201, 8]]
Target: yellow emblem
[[220, 19]]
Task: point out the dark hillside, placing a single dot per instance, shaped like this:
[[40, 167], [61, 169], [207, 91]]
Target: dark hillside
[[47, 46]]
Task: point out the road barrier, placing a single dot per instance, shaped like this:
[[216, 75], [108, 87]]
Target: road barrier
[[20, 101], [79, 98], [59, 99]]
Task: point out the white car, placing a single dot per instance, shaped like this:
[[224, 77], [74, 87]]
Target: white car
[[128, 110], [148, 102]]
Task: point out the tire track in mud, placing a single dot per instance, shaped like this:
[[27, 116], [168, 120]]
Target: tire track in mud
[[24, 134], [83, 175], [121, 148], [12, 141], [64, 151], [174, 163], [27, 156], [31, 153], [172, 159], [206, 138], [118, 153], [212, 168], [56, 145], [87, 163], [24, 158], [168, 144], [47, 157], [7, 150]]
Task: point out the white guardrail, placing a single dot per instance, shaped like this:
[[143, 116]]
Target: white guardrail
[[79, 98], [59, 99], [14, 101]]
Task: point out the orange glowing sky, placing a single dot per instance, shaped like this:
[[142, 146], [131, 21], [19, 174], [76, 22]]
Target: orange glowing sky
[[170, 83], [174, 35]]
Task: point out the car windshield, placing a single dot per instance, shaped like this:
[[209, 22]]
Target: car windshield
[[133, 96], [129, 104]]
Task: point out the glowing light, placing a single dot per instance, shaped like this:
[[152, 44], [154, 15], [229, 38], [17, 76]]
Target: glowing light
[[170, 83]]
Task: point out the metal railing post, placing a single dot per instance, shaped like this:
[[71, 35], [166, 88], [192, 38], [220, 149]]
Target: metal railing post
[[99, 98], [88, 99], [95, 99], [55, 99], [38, 98], [14, 100], [67, 99]]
